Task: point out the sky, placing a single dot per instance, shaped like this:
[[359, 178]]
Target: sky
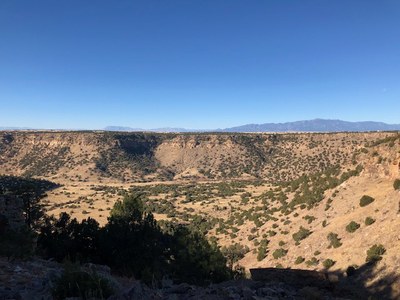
[[205, 64]]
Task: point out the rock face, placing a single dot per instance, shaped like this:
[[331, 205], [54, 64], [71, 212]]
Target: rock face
[[36, 279], [27, 279]]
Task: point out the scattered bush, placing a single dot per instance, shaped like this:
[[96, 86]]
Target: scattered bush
[[334, 240], [352, 227], [262, 250], [365, 200], [374, 254], [301, 234], [312, 262], [369, 221], [278, 253], [299, 260], [396, 184], [234, 253], [262, 253], [328, 263]]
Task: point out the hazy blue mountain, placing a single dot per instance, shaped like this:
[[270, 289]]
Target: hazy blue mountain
[[122, 128], [316, 125]]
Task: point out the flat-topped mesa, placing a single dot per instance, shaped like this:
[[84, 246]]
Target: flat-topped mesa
[[132, 157]]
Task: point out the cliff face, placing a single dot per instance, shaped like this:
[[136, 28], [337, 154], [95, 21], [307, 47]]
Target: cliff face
[[149, 156]]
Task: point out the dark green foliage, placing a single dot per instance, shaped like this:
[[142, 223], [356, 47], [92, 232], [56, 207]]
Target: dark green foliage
[[328, 263], [309, 219], [309, 189], [301, 234], [278, 253], [132, 244], [65, 237], [388, 139], [374, 254], [299, 260], [261, 254], [234, 253], [262, 250], [17, 243], [352, 227], [396, 184], [369, 221], [365, 200], [334, 240], [30, 191], [80, 284], [312, 262], [40, 162], [196, 260]]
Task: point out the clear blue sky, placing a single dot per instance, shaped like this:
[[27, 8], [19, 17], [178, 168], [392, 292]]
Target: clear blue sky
[[197, 63]]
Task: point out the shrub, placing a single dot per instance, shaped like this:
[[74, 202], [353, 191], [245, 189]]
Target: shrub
[[334, 239], [374, 254], [328, 263], [278, 253], [301, 234], [365, 200], [312, 262], [351, 270], [396, 184], [369, 221], [234, 253], [352, 227], [262, 253], [84, 285], [262, 250], [299, 260], [18, 243]]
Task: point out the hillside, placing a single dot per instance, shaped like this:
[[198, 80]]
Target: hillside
[[285, 200], [132, 157]]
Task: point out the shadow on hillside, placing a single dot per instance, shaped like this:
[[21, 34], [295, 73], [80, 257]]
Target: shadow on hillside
[[370, 281], [367, 282]]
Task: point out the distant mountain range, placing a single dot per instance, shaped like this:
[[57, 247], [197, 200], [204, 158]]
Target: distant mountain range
[[316, 125]]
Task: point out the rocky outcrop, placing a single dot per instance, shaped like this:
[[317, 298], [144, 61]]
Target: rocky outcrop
[[35, 279]]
